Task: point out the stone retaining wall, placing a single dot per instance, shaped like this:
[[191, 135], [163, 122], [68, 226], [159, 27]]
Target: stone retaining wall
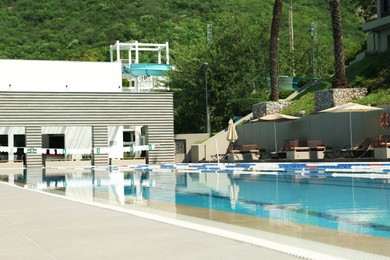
[[271, 107], [335, 97]]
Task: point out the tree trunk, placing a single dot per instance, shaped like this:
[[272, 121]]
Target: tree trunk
[[273, 53], [340, 80]]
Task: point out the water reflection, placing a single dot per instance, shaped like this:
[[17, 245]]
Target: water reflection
[[351, 204]]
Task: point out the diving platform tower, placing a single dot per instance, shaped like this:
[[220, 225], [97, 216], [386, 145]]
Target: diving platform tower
[[142, 76]]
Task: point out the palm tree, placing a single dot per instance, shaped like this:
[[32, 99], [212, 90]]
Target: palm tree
[[273, 53], [340, 80]]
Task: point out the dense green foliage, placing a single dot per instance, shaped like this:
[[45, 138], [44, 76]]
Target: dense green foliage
[[372, 73], [237, 53]]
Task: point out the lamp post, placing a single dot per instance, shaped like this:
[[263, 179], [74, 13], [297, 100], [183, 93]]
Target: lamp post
[[206, 66], [313, 30]]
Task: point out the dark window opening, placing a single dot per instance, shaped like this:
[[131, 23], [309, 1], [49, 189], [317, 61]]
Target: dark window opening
[[19, 140], [53, 141], [128, 138], [385, 8], [388, 42], [3, 140]]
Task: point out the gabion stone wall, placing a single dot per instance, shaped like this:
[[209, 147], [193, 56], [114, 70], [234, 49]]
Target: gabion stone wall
[[265, 108], [335, 97]]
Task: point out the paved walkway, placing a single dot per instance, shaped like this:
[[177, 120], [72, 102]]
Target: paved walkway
[[36, 226]]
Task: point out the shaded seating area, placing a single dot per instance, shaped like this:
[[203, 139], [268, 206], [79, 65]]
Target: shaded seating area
[[317, 149], [382, 147], [306, 149], [363, 149], [245, 152], [299, 149], [282, 153]]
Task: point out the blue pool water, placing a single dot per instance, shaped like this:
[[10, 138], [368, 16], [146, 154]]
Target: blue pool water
[[350, 204], [345, 203]]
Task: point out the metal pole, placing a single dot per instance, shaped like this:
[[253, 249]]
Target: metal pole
[[312, 56], [276, 141], [350, 129], [313, 30], [206, 65]]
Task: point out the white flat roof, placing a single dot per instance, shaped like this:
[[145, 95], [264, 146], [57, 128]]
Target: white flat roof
[[73, 76]]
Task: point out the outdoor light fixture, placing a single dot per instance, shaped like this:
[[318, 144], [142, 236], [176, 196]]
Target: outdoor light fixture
[[312, 31], [206, 66]]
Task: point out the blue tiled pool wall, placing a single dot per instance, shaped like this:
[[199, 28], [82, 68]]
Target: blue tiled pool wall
[[379, 167]]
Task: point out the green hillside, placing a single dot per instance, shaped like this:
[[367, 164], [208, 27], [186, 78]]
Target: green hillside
[[237, 53], [373, 73]]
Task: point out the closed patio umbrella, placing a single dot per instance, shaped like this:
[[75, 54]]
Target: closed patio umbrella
[[350, 107], [232, 135]]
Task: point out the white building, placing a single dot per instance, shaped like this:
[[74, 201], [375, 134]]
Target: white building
[[378, 30], [78, 91]]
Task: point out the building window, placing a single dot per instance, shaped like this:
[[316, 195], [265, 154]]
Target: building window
[[19, 140], [53, 141], [388, 42], [128, 138], [3, 140], [385, 8]]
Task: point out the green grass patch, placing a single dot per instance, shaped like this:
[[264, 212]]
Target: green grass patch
[[305, 101], [377, 98], [368, 68]]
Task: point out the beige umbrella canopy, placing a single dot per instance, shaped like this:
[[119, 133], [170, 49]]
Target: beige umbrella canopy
[[276, 117], [232, 135], [350, 107]]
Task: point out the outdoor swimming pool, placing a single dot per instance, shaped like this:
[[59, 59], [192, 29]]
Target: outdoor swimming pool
[[353, 204]]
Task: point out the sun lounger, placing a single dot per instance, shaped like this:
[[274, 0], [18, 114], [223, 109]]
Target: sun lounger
[[382, 147], [362, 149], [245, 152], [298, 150], [287, 151], [317, 149]]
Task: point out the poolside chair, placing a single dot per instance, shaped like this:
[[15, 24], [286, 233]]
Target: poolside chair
[[362, 149], [287, 146]]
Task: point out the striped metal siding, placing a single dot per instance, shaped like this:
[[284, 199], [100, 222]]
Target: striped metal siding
[[154, 110], [99, 140], [161, 135], [33, 140]]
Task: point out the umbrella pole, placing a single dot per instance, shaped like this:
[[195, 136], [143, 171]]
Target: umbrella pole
[[216, 147], [276, 145], [232, 152], [350, 128]]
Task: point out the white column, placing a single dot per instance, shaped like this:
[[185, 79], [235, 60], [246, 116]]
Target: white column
[[137, 136], [118, 51], [10, 146], [136, 52], [167, 52]]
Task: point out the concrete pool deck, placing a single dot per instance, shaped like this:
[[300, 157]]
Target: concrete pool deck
[[37, 226]]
